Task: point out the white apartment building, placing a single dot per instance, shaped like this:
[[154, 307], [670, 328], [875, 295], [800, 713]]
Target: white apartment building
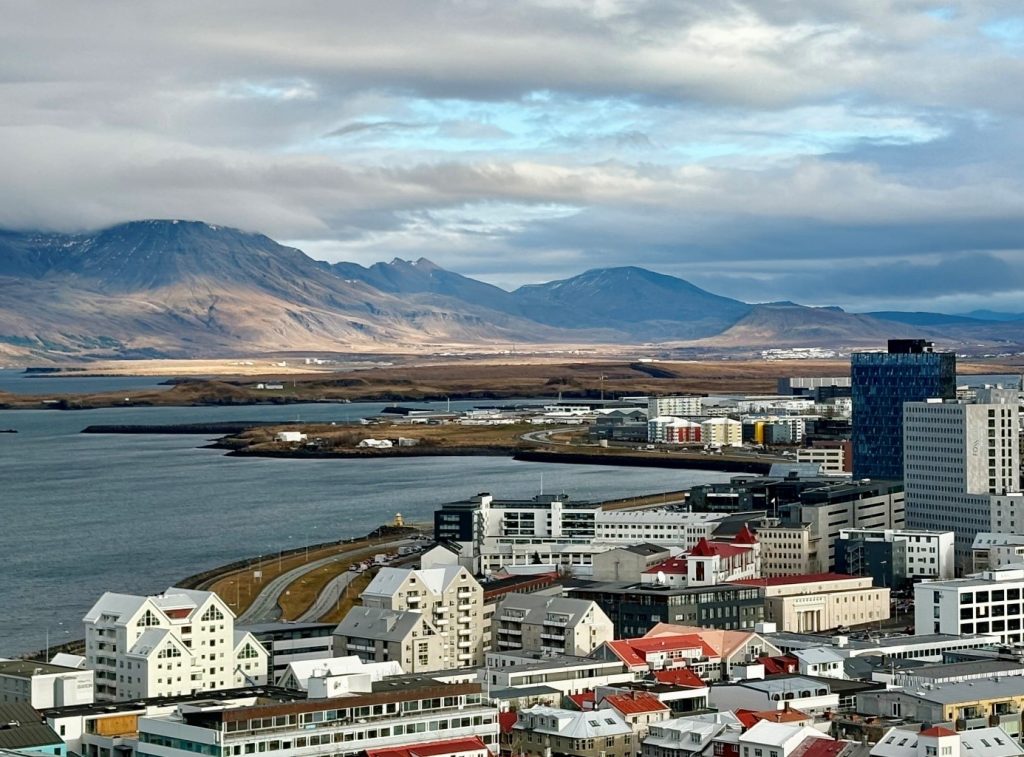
[[721, 432], [397, 712], [996, 550], [961, 465], [987, 603], [43, 685], [172, 644], [915, 554], [490, 534], [450, 600], [679, 405], [554, 625]]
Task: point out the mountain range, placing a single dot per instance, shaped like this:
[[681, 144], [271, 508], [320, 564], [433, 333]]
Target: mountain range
[[190, 289]]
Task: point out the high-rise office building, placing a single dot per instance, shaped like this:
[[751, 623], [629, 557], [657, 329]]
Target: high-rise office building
[[882, 381], [961, 464]]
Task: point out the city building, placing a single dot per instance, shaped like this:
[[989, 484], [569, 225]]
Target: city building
[[924, 647], [678, 405], [552, 730], [557, 625], [799, 386], [721, 432], [895, 558], [24, 732], [821, 602], [910, 371], [668, 429], [635, 608], [396, 712], [811, 696], [787, 549], [561, 674], [992, 741], [639, 709], [451, 604], [987, 603], [991, 550], [43, 685], [336, 676], [962, 466], [178, 642], [961, 706], [288, 642], [834, 456], [694, 736], [709, 563], [376, 634], [829, 509], [488, 534], [627, 563]]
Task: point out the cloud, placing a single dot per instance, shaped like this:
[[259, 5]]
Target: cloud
[[741, 143]]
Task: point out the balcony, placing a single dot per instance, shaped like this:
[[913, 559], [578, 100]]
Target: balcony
[[465, 606], [510, 632], [465, 655], [441, 621], [560, 638], [465, 631], [465, 644]]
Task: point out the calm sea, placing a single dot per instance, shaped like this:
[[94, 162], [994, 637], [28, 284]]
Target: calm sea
[[81, 514]]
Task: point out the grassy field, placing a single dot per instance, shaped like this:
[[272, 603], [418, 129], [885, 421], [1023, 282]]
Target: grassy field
[[350, 598], [476, 379], [300, 595], [239, 588]]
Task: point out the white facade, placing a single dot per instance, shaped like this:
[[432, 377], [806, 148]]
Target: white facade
[[175, 643], [43, 685], [721, 432], [988, 603], [991, 550], [959, 460], [776, 739], [681, 405], [930, 554], [450, 600]]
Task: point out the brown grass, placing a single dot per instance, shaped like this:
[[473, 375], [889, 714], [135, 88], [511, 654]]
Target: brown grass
[[241, 586], [351, 597], [301, 593]]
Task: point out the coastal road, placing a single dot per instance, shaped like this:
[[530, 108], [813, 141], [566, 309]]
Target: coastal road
[[336, 587], [264, 608], [542, 437]]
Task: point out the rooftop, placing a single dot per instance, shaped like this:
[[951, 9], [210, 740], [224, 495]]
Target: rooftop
[[809, 578], [635, 703], [27, 668], [21, 727], [969, 691], [431, 748], [274, 693]]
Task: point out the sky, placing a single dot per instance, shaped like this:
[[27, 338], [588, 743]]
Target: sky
[[860, 153]]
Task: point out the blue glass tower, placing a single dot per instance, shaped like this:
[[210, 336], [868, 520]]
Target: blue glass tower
[[881, 382]]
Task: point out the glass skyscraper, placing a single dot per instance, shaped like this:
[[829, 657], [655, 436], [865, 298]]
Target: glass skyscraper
[[881, 382]]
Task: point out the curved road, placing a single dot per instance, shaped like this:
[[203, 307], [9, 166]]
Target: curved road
[[336, 587], [264, 607]]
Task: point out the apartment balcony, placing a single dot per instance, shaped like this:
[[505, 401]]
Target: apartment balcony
[[465, 656], [465, 631], [465, 606], [550, 621], [465, 644], [441, 621], [560, 638], [509, 644], [510, 632]]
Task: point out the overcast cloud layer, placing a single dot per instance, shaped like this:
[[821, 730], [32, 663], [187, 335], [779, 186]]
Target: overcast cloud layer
[[867, 154]]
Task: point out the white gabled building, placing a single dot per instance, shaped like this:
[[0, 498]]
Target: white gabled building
[[179, 642]]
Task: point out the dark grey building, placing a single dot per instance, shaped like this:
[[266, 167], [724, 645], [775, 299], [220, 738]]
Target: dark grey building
[[881, 382], [636, 608], [292, 642]]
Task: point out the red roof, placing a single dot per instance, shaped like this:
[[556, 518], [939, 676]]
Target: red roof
[[772, 716], [507, 720], [779, 665], [635, 703], [179, 612], [679, 677], [745, 536], [584, 698], [748, 718], [937, 731], [814, 746], [431, 748], [675, 565], [635, 651], [705, 548], [810, 578]]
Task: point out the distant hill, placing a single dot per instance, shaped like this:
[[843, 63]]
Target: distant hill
[[994, 315], [190, 289], [642, 303], [924, 318]]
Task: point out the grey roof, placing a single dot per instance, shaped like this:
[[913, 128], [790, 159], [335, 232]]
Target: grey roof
[[539, 690], [537, 606], [645, 549], [955, 669], [817, 655], [969, 691], [258, 628], [21, 727], [435, 580], [27, 668], [378, 623], [805, 640], [572, 724]]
